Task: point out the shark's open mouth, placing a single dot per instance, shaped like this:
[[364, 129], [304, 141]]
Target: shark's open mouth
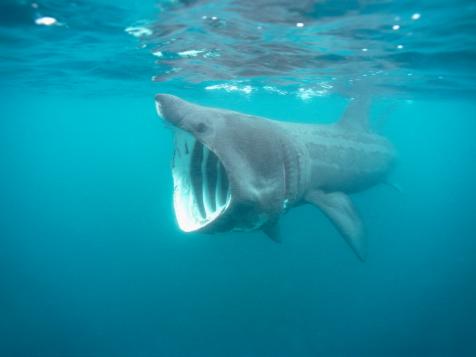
[[201, 187]]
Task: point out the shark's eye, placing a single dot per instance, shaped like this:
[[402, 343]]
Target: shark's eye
[[201, 128]]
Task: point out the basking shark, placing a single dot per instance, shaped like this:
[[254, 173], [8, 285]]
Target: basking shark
[[239, 172]]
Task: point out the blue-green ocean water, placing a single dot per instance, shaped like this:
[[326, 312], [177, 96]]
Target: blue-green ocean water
[[92, 262]]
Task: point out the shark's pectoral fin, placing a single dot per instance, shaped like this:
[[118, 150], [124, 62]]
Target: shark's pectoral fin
[[271, 229], [338, 207]]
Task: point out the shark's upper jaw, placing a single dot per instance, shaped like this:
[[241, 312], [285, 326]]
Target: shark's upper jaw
[[201, 187]]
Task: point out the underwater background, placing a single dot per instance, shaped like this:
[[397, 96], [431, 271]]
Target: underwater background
[[92, 262]]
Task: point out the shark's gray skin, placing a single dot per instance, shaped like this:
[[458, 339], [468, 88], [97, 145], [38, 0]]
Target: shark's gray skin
[[234, 171]]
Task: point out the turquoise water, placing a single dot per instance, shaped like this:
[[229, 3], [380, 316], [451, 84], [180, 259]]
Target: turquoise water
[[92, 262]]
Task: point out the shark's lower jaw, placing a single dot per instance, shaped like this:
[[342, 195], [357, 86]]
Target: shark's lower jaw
[[201, 188]]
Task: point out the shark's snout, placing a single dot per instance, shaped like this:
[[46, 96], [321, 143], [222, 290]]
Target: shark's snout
[[165, 99], [165, 104]]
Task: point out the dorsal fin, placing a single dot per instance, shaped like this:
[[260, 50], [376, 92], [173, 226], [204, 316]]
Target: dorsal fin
[[356, 116]]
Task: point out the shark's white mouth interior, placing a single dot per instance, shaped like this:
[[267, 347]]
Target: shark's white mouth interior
[[201, 187]]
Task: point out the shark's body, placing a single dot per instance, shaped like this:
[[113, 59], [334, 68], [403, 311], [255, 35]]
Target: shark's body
[[234, 171]]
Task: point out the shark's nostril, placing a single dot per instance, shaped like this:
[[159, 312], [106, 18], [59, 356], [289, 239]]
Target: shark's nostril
[[162, 97]]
